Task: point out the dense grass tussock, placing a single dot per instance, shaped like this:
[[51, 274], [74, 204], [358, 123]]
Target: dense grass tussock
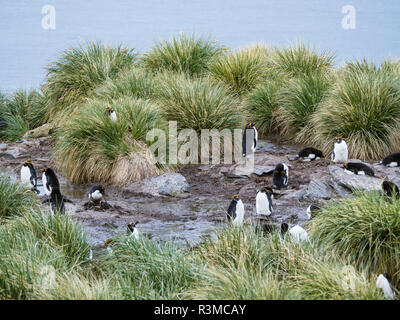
[[298, 101], [300, 60], [35, 249], [133, 82], [242, 264], [23, 111], [16, 199], [77, 72], [196, 103], [184, 54], [92, 148], [261, 104], [363, 107], [365, 230], [242, 70], [149, 270]]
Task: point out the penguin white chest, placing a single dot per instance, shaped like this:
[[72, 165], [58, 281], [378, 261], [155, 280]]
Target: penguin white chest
[[263, 205], [383, 284], [254, 146], [340, 152], [96, 196], [47, 190], [113, 116], [135, 233], [298, 234], [239, 214], [26, 176], [286, 168]]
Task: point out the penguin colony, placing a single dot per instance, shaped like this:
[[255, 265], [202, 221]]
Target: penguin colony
[[236, 210]]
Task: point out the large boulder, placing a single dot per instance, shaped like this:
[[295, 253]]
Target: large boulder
[[353, 181], [317, 189], [42, 131], [167, 184]]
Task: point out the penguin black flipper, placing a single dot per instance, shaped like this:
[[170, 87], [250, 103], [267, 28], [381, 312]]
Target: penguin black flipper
[[67, 200], [231, 214]]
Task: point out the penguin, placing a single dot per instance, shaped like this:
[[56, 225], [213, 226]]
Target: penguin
[[280, 176], [28, 175], [235, 212], [132, 228], [358, 168], [250, 128], [384, 282], [312, 210], [264, 201], [309, 154], [111, 113], [340, 152], [298, 234], [390, 189], [96, 193], [51, 187], [284, 230], [50, 181], [392, 160]]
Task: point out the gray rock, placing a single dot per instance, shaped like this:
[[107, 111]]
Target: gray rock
[[42, 131], [167, 184], [245, 172], [316, 190], [3, 146], [353, 181]]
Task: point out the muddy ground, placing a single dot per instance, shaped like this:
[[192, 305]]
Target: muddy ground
[[186, 219]]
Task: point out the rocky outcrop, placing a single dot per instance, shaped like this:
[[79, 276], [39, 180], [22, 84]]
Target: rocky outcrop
[[316, 190], [42, 131], [168, 184]]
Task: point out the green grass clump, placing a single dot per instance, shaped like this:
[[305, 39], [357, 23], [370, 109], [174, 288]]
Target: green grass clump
[[23, 111], [365, 230], [149, 270], [92, 148], [15, 199], [261, 104], [77, 72], [300, 60], [242, 70], [183, 54], [363, 107], [298, 101], [134, 82], [196, 103]]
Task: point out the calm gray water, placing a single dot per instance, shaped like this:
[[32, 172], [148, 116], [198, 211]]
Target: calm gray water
[[26, 47]]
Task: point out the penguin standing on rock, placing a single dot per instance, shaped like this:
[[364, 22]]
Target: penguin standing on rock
[[28, 174], [358, 168], [264, 202], [52, 188], [309, 154], [392, 160], [340, 152], [384, 282], [235, 212], [96, 193], [111, 113], [280, 177], [251, 130]]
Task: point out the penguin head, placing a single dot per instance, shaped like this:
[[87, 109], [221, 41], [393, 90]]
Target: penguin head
[[101, 189], [279, 169], [338, 139], [27, 163], [388, 277], [346, 165], [268, 190], [235, 197], [132, 225], [108, 241], [109, 109], [250, 125]]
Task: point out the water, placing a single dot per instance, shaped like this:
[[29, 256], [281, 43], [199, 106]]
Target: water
[[26, 48]]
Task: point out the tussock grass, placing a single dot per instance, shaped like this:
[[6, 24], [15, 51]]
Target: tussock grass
[[91, 148], [242, 70], [15, 199], [298, 101], [196, 103], [72, 77], [134, 82], [184, 54], [299, 60], [365, 230], [363, 108], [23, 111], [149, 270]]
